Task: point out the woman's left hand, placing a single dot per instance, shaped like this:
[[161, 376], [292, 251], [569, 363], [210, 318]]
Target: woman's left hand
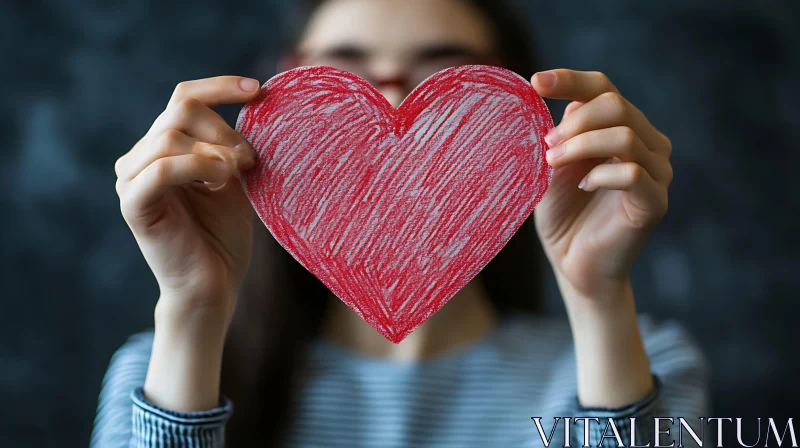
[[609, 185], [593, 221]]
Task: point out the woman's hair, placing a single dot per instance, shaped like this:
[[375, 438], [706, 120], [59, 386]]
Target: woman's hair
[[281, 305]]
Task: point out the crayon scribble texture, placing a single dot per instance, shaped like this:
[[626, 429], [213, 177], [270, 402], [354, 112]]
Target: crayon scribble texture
[[395, 210], [81, 82]]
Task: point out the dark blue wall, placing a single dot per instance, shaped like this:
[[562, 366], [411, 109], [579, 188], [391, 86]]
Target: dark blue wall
[[81, 81]]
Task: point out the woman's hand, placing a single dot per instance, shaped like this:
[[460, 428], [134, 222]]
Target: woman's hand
[[609, 189], [609, 186], [193, 223]]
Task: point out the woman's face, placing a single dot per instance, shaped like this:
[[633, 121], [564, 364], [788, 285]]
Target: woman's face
[[396, 44]]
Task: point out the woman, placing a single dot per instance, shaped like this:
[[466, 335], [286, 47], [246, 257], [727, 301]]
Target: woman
[[302, 369]]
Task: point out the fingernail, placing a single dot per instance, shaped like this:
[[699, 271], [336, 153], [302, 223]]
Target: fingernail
[[216, 186], [224, 165], [553, 137], [582, 185], [547, 79], [556, 152], [249, 84]]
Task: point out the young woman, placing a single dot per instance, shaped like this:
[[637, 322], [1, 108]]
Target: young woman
[[302, 369]]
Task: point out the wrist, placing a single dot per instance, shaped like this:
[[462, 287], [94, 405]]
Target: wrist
[[612, 365], [186, 359], [179, 315], [606, 300], [605, 325]]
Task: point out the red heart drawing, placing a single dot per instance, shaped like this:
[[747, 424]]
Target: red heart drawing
[[395, 210]]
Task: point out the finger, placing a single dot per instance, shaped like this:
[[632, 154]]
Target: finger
[[151, 184], [605, 111], [188, 111], [571, 107], [217, 90], [173, 143], [620, 142], [573, 85], [197, 120], [170, 142], [647, 199]]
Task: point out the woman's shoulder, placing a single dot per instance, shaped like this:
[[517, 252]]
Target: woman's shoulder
[[134, 353], [128, 364], [671, 346], [532, 338], [549, 330], [664, 339], [139, 343], [126, 371]]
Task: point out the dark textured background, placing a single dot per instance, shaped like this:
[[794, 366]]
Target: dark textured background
[[81, 81]]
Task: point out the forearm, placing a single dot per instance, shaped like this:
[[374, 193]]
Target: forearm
[[613, 369], [186, 361]]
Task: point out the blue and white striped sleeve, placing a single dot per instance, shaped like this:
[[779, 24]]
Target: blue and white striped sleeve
[[126, 419], [156, 427], [680, 373]]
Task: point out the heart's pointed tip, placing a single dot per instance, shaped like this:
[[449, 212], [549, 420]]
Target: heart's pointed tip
[[395, 338]]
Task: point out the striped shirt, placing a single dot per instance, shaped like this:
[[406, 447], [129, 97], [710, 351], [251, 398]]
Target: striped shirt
[[486, 394]]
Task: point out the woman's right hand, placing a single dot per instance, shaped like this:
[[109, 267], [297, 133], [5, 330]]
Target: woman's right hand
[[180, 195]]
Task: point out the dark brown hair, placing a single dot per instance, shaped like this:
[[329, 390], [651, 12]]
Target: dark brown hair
[[281, 305]]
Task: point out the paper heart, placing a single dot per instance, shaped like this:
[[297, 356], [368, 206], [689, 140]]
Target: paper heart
[[395, 210]]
